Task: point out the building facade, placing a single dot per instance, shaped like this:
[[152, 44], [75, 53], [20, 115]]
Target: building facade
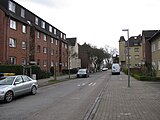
[[146, 46], [74, 62], [135, 51], [27, 39], [155, 52]]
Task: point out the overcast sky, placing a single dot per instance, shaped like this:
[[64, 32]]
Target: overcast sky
[[98, 22]]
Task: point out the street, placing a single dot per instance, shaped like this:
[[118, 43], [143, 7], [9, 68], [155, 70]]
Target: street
[[69, 100]]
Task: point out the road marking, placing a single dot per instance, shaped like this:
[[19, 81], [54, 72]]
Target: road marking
[[94, 84], [90, 84]]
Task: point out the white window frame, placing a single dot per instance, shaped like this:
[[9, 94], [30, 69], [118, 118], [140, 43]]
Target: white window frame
[[22, 13], [23, 45], [44, 63], [52, 51], [24, 28], [56, 42], [36, 20], [61, 35], [12, 6], [44, 50], [12, 42], [52, 40], [136, 56], [50, 29], [52, 63], [24, 61], [13, 60], [38, 34], [44, 37], [13, 24], [43, 24], [55, 31]]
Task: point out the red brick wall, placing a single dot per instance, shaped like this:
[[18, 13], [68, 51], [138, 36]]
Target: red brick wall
[[17, 34]]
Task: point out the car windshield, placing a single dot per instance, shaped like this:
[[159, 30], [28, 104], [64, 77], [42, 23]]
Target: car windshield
[[7, 81]]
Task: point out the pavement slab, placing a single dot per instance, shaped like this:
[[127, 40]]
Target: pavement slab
[[141, 101]]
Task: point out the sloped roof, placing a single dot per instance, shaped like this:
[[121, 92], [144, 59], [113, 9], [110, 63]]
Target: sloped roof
[[71, 41], [148, 33], [121, 39], [135, 41]]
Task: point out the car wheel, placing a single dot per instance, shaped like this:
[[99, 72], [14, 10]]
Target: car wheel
[[33, 90], [8, 96]]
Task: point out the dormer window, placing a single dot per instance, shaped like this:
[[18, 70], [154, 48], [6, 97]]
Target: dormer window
[[50, 28], [43, 24], [36, 20], [55, 31], [22, 13], [12, 6]]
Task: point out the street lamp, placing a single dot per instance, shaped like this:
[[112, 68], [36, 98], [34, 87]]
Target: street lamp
[[128, 56]]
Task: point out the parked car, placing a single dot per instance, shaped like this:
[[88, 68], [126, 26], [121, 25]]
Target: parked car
[[12, 86], [104, 69], [83, 73], [115, 68]]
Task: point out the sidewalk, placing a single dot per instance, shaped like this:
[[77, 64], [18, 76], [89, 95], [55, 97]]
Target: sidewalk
[[118, 102], [44, 82]]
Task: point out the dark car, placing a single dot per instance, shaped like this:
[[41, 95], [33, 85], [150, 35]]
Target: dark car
[[82, 73]]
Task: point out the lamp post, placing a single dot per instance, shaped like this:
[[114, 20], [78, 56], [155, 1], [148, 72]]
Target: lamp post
[[128, 56]]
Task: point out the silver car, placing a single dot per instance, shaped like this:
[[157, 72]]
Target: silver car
[[12, 86]]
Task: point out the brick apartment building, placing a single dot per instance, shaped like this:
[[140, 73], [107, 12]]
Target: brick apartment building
[[27, 39]]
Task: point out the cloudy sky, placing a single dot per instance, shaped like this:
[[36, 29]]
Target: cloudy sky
[[98, 22]]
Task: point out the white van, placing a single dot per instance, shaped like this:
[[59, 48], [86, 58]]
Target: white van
[[116, 68]]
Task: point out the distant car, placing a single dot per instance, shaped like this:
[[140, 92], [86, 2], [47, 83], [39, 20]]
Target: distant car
[[82, 73], [115, 68], [104, 69], [12, 86]]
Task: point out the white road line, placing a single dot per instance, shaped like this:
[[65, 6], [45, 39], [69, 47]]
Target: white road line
[[83, 84], [78, 85], [90, 84], [94, 84]]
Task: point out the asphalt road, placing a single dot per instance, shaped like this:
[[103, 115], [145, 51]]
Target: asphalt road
[[69, 100]]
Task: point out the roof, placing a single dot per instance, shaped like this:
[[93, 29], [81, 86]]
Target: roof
[[121, 39], [72, 41], [135, 41], [157, 34], [148, 33]]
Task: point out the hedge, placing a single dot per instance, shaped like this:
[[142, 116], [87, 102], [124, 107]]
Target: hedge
[[18, 70]]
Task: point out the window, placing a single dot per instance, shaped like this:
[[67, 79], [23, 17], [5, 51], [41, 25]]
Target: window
[[55, 31], [12, 60], [36, 20], [159, 44], [43, 24], [56, 63], [64, 36], [52, 40], [153, 47], [44, 37], [65, 45], [44, 63], [52, 52], [38, 62], [12, 6], [26, 78], [19, 80], [136, 56], [23, 61], [38, 48], [23, 28], [158, 65], [136, 49], [12, 42], [22, 13], [61, 35], [23, 45], [38, 34], [52, 63], [56, 42], [44, 50], [50, 28], [56, 52], [13, 24]]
